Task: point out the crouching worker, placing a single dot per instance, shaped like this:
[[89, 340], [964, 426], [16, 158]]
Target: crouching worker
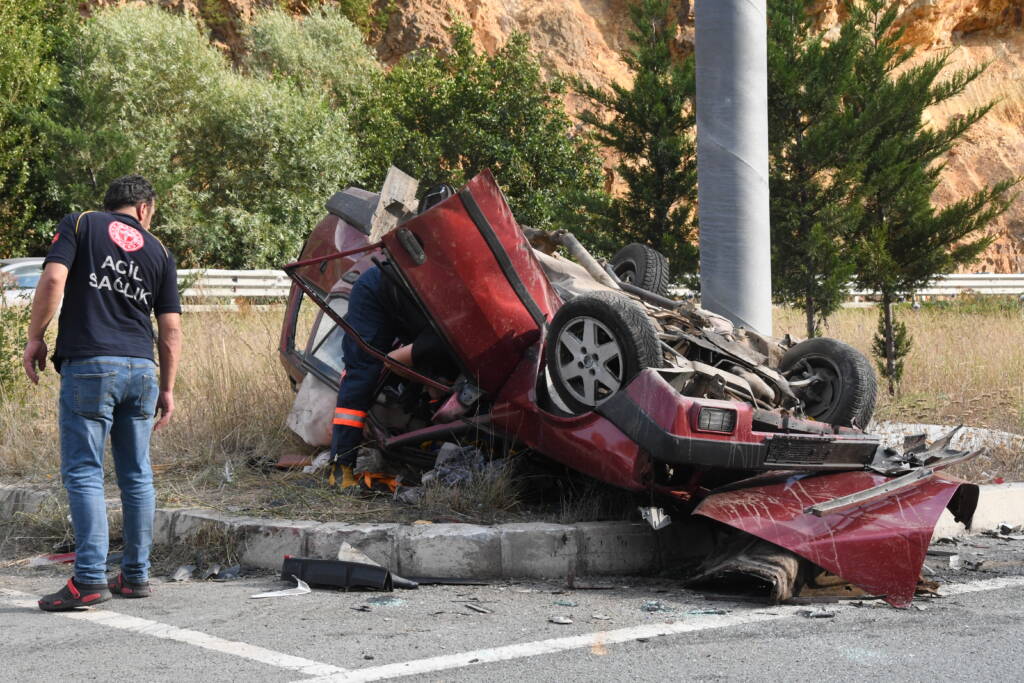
[[380, 312]]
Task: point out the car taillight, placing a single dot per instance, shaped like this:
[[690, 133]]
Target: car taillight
[[716, 420]]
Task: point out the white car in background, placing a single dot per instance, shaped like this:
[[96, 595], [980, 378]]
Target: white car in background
[[18, 279]]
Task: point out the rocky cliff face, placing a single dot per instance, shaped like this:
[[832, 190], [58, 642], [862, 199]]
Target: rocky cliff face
[[586, 37]]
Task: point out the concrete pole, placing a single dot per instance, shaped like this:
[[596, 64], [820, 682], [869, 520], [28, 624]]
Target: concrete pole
[[732, 161]]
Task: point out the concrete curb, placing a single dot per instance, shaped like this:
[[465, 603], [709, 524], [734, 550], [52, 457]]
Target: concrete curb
[[521, 550], [23, 499]]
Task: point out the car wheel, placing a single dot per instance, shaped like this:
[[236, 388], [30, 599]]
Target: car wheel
[[640, 265], [596, 344], [834, 380]]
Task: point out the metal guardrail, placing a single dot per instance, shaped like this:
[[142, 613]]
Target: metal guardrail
[[210, 283], [987, 284], [234, 284], [962, 283]]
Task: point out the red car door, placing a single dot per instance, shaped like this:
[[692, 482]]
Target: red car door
[[475, 274]]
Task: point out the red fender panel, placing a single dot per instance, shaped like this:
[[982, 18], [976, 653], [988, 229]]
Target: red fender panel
[[879, 546]]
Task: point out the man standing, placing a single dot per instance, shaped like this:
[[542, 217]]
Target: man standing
[[112, 275]]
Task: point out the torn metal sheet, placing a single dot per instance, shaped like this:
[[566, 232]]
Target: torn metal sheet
[[879, 546], [301, 588]]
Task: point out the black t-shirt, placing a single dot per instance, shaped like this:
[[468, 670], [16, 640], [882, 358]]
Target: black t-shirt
[[118, 274]]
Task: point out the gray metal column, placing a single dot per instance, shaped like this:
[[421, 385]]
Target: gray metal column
[[732, 161]]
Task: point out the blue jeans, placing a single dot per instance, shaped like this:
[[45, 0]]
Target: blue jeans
[[101, 396]]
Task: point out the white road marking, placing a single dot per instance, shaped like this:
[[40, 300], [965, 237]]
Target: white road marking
[[599, 640], [328, 673], [147, 627], [602, 639]]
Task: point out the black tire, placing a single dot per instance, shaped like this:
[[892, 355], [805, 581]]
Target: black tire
[[640, 265], [624, 339], [845, 393]]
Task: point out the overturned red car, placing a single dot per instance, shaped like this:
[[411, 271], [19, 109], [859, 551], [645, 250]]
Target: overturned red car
[[588, 366]]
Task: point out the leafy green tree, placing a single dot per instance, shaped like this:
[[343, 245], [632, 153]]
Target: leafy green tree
[[254, 167], [445, 116], [902, 241], [650, 126], [814, 206], [323, 51], [33, 34], [242, 164]]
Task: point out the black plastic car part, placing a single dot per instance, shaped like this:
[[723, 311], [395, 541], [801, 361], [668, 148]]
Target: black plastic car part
[[341, 574]]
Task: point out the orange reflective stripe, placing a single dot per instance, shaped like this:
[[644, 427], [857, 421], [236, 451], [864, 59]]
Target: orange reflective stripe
[[348, 423], [349, 411]]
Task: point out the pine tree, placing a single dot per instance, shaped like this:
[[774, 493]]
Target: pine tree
[[650, 125], [902, 241], [813, 202]]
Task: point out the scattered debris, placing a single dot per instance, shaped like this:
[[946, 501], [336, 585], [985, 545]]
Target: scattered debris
[[817, 613], [950, 557], [228, 573], [210, 572], [56, 558], [386, 601], [318, 463], [706, 610], [656, 517], [455, 464], [564, 621], [479, 608], [183, 573], [600, 617], [363, 608], [409, 495], [566, 603], [655, 606], [300, 589], [1006, 532], [973, 565]]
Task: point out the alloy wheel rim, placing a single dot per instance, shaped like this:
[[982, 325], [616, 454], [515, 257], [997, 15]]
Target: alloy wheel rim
[[590, 360]]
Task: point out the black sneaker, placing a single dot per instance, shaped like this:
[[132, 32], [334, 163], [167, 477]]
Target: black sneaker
[[74, 595], [127, 589]]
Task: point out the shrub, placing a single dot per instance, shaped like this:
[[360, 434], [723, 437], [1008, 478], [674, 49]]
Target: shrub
[[443, 117], [321, 52], [32, 36], [241, 163]]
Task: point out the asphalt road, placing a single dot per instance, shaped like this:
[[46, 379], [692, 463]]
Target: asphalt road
[[637, 629]]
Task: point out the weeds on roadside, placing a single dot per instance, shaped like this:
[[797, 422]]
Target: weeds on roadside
[[14, 318]]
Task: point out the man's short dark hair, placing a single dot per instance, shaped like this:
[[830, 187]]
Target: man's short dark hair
[[128, 190]]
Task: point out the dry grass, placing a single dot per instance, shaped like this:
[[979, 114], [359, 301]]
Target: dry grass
[[232, 399]]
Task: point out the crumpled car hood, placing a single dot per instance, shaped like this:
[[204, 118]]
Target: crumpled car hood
[[878, 546]]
